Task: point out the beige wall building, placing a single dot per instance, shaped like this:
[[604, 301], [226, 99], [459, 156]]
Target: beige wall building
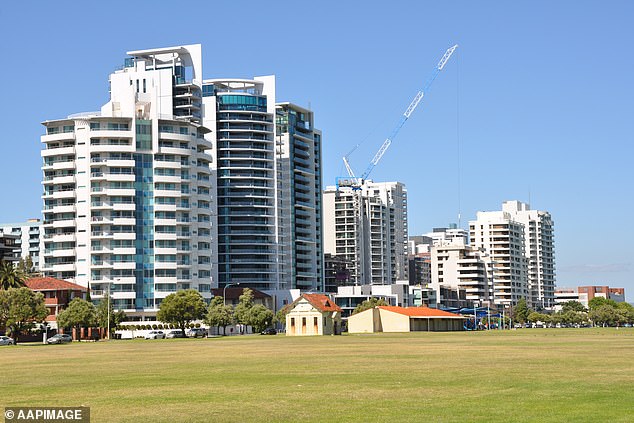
[[404, 319], [313, 314]]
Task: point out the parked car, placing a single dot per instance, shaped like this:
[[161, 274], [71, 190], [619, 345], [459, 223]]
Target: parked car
[[59, 339], [175, 334], [197, 333], [5, 340], [155, 334], [269, 331]]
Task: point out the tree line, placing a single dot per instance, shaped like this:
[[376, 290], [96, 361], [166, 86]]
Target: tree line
[[600, 312]]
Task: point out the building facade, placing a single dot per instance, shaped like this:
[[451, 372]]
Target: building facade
[[370, 230], [267, 167], [28, 241], [457, 267], [127, 190], [539, 251], [502, 238]]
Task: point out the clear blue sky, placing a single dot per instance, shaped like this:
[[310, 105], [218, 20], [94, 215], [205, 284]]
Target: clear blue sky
[[537, 102]]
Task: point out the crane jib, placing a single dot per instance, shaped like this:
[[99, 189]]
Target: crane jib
[[355, 182]]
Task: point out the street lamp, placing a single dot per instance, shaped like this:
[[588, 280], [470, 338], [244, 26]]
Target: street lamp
[[224, 292]]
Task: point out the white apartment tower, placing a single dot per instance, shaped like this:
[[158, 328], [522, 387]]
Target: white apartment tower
[[370, 231], [456, 265], [502, 238], [127, 190], [29, 241], [539, 251]]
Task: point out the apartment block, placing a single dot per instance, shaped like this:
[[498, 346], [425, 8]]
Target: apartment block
[[28, 240], [127, 190], [502, 238], [457, 266], [539, 251], [370, 230], [267, 166]]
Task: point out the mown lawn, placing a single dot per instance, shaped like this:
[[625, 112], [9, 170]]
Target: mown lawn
[[538, 375]]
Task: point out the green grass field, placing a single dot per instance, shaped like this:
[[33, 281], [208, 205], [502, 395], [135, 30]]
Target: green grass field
[[559, 375]]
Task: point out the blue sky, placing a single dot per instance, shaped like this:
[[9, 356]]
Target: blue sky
[[536, 103]]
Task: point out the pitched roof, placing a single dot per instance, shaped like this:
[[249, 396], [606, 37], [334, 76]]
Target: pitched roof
[[321, 302], [421, 312], [51, 284]]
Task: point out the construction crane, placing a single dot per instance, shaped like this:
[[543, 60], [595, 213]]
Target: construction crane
[[354, 182]]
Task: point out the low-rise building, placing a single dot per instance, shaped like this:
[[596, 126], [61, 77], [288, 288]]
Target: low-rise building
[[584, 294], [404, 319], [313, 314], [57, 295]]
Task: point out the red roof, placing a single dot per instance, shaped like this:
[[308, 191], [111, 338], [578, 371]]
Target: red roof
[[52, 284], [321, 302], [420, 311]]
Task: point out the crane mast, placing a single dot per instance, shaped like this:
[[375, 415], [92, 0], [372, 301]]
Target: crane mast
[[356, 182]]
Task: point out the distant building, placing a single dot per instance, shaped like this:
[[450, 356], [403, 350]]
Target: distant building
[[420, 269], [584, 294], [336, 272], [502, 238], [539, 251], [233, 296], [461, 274], [8, 247], [349, 297], [29, 241], [368, 227]]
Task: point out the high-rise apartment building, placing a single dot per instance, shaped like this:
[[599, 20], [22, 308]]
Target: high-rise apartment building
[[183, 182], [268, 169], [502, 238], [539, 251], [298, 152], [127, 190], [28, 242], [370, 230]]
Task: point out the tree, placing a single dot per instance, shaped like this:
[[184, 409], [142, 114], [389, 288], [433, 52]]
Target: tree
[[20, 308], [603, 315], [371, 303], [597, 302], [219, 314], [625, 311], [538, 317], [245, 304], [521, 311], [259, 317], [280, 316], [11, 276], [181, 308], [79, 314], [26, 266], [573, 306], [101, 314]]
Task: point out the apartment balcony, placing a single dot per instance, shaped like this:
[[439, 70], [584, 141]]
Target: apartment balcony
[[63, 267], [168, 236], [176, 179], [58, 180], [119, 177], [123, 206], [106, 148], [62, 151], [59, 195], [124, 250], [110, 133], [123, 236]]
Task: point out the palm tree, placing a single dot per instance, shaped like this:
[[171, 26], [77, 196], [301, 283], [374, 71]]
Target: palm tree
[[11, 276]]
